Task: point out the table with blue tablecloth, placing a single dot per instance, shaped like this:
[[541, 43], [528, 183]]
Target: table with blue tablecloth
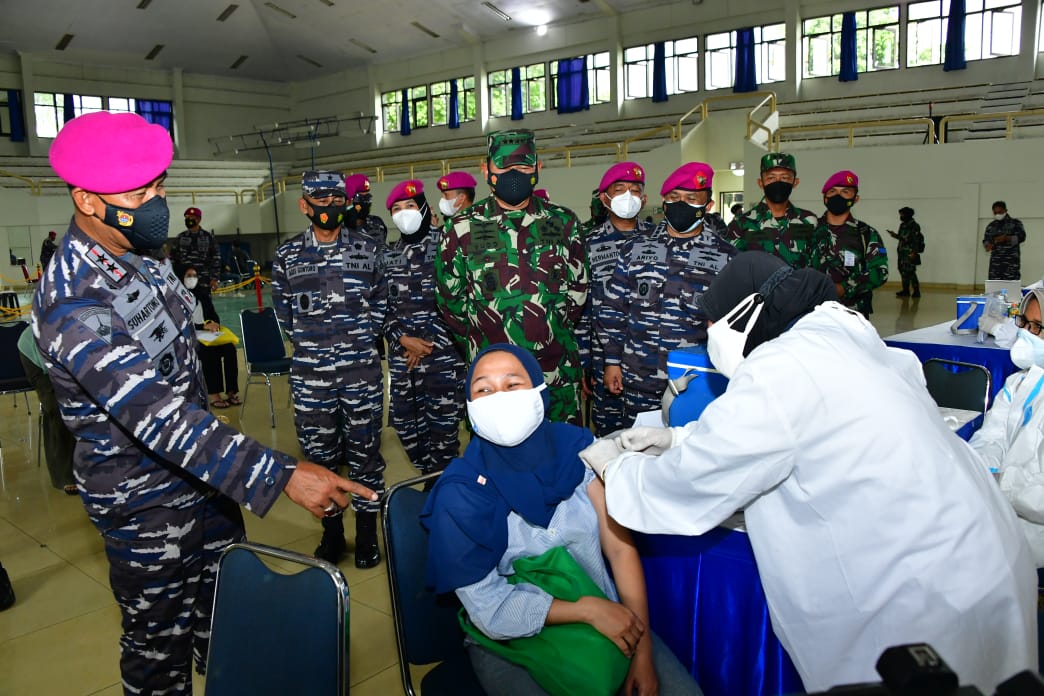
[[939, 342], [707, 604]]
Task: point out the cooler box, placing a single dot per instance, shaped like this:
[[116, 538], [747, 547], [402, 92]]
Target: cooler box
[[704, 384], [969, 310]]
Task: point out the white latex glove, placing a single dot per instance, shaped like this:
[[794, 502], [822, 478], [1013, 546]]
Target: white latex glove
[[645, 439], [988, 324], [598, 454]]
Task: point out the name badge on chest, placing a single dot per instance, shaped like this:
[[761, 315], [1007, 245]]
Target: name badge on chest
[[358, 259], [707, 259], [647, 253]]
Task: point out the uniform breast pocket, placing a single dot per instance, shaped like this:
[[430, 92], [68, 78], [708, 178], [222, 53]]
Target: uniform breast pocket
[[398, 292], [646, 293], [305, 295], [494, 277], [548, 270], [800, 232]]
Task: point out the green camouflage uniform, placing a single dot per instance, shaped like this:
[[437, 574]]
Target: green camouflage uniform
[[854, 256], [908, 251], [518, 277], [788, 237]]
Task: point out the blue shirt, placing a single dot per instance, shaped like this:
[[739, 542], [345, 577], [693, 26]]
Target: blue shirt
[[502, 610]]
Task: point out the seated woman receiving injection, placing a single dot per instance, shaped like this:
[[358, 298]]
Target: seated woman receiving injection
[[518, 504]]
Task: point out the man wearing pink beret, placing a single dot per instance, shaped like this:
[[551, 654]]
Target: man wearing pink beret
[[160, 477], [652, 300], [846, 249], [458, 193], [357, 187], [622, 193]]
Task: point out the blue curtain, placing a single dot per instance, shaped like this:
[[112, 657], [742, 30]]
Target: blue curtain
[[404, 115], [159, 112], [516, 94], [454, 105], [14, 108], [849, 67], [955, 37], [68, 109], [572, 91], [659, 85], [746, 70]]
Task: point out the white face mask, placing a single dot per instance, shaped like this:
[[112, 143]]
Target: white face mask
[[447, 206], [508, 417], [191, 282], [408, 220], [725, 344], [1028, 350], [998, 217], [625, 205]]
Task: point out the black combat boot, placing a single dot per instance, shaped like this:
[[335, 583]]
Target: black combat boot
[[7, 597], [332, 548], [367, 555]]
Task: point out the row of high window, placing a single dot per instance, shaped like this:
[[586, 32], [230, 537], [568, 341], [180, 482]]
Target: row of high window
[[992, 30]]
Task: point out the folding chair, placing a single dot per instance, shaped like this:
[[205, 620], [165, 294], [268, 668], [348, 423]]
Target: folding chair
[[263, 350], [426, 627], [277, 634], [956, 384], [12, 375]]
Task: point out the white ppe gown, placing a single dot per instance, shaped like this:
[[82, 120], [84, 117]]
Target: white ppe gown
[[872, 524], [1011, 440]]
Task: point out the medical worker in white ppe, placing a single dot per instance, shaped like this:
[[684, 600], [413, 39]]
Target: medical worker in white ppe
[[1011, 439], [872, 524]]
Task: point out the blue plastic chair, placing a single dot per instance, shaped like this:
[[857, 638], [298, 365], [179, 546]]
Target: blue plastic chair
[[263, 350], [274, 633], [426, 627]]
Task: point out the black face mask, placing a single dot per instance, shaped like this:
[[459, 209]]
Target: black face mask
[[145, 227], [905, 218], [838, 204], [682, 216], [189, 222], [778, 191], [513, 187], [327, 217]]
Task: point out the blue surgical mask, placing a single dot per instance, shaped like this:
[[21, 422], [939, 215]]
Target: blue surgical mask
[[1028, 350], [145, 227]]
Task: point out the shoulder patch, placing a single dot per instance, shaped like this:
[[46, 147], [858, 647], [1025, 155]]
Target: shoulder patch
[[99, 321]]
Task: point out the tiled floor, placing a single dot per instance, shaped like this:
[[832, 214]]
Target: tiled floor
[[61, 636]]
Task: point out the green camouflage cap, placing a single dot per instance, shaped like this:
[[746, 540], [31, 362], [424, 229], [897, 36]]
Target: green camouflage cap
[[505, 148], [778, 159]]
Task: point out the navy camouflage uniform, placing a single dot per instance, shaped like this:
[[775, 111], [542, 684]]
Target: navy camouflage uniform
[[427, 403], [1005, 258], [153, 466], [651, 306], [199, 250], [603, 251], [331, 300]]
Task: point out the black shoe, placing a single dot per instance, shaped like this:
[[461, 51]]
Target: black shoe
[[367, 554], [915, 295], [902, 293], [7, 596], [332, 548]]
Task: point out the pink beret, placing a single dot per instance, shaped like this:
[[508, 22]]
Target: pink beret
[[456, 180], [104, 152], [356, 183], [692, 176], [842, 178], [622, 171], [403, 190]]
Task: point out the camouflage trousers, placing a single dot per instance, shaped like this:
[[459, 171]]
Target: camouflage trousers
[[162, 567], [1004, 265], [427, 404], [647, 398], [338, 418], [607, 409]]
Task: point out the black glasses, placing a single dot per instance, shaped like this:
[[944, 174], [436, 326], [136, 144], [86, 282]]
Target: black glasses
[[1033, 327]]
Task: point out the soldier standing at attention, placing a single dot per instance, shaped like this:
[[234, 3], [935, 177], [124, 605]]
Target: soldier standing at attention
[[908, 251], [651, 304], [196, 247], [775, 224], [357, 186], [848, 250], [47, 249], [1002, 239], [330, 294], [622, 193], [159, 476], [513, 269], [426, 370], [458, 193]]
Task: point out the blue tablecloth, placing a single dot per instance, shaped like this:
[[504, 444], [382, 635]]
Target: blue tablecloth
[[707, 604], [937, 342]]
